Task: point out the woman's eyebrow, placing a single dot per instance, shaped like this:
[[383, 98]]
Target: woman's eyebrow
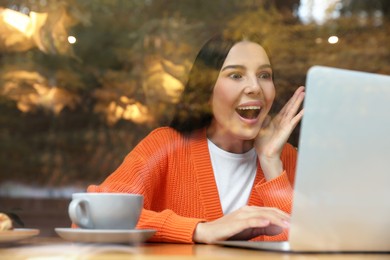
[[233, 67], [264, 66]]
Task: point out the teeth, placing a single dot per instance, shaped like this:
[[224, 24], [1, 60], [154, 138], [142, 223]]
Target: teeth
[[249, 112], [248, 108]]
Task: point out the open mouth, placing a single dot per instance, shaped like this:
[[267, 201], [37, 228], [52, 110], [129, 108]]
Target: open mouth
[[250, 112]]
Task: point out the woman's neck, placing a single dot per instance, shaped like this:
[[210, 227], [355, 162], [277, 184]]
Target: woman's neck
[[228, 142]]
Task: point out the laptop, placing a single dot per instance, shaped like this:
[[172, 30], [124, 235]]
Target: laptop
[[342, 187]]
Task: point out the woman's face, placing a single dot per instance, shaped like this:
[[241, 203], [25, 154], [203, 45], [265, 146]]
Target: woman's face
[[243, 94]]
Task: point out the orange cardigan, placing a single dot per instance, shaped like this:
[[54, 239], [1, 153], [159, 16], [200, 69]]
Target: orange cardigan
[[175, 175]]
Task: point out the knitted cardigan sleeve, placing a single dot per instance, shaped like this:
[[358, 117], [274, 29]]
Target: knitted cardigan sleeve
[[141, 172], [278, 192]]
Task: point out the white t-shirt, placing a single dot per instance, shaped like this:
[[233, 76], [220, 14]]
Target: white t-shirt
[[234, 175]]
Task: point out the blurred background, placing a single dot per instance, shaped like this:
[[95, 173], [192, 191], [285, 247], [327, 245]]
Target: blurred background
[[82, 81]]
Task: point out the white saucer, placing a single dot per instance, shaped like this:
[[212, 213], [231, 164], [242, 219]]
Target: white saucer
[[105, 235], [17, 234]]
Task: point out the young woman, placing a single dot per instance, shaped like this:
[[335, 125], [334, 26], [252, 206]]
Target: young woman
[[223, 169]]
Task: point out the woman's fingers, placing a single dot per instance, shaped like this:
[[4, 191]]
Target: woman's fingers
[[271, 230], [246, 223], [259, 221], [296, 103], [297, 118], [274, 215], [288, 118], [292, 105]]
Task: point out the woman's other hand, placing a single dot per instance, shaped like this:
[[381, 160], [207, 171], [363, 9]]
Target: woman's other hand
[[243, 224], [275, 133]]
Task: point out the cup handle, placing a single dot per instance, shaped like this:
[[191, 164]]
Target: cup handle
[[79, 213]]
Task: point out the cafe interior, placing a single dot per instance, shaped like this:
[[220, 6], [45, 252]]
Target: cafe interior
[[83, 81]]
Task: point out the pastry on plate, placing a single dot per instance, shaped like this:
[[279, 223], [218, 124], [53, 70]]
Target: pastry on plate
[[5, 222]]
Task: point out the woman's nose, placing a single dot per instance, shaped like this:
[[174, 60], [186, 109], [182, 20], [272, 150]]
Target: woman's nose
[[253, 86]]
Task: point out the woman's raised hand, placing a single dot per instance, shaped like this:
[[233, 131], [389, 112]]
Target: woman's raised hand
[[243, 224], [275, 133]]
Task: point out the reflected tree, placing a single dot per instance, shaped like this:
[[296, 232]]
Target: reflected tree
[[81, 82]]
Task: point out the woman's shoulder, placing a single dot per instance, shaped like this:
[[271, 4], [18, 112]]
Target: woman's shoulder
[[162, 136], [163, 141], [169, 137], [164, 131], [159, 140]]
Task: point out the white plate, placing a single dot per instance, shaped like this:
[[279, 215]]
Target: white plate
[[105, 235], [17, 234]]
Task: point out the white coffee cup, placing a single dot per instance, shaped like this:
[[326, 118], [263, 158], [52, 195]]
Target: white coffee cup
[[105, 210]]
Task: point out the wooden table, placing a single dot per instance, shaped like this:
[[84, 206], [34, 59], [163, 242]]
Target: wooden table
[[55, 248]]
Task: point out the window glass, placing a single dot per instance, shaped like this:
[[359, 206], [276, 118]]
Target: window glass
[[82, 81]]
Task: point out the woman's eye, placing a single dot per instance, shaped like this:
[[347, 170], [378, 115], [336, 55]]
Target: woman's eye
[[235, 76], [265, 75]]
